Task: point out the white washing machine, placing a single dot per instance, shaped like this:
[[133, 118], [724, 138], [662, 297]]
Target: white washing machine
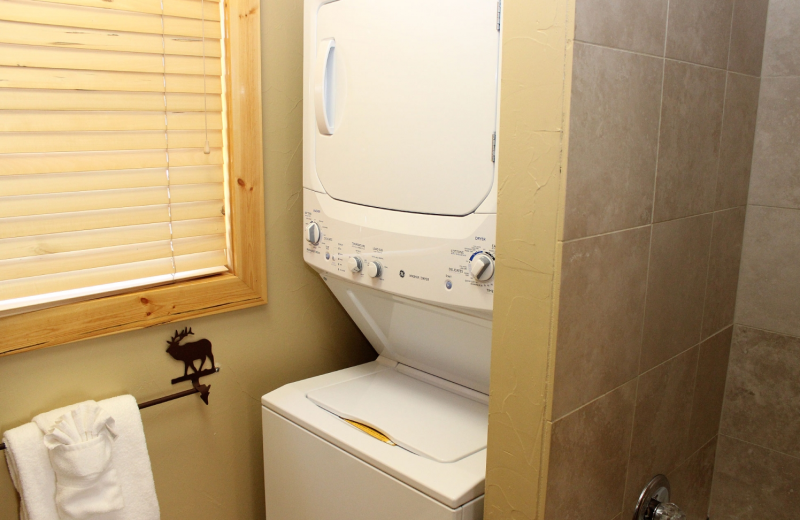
[[400, 118]]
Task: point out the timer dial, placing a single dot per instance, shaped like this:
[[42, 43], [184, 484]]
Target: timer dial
[[313, 233], [481, 267], [374, 269], [354, 263]]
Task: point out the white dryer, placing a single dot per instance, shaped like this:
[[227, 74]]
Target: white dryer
[[400, 118]]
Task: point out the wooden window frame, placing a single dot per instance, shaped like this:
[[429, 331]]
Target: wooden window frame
[[245, 286]]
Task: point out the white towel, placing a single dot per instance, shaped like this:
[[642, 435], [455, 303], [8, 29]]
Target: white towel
[[80, 444], [31, 473], [34, 478]]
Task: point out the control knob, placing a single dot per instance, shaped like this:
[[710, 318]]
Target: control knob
[[481, 267], [354, 263], [374, 269], [313, 233]]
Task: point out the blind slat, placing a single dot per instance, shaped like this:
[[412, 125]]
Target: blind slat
[[184, 8], [65, 262], [197, 227], [26, 287], [45, 245], [196, 210], [69, 100], [50, 204], [28, 163], [199, 244], [13, 227], [68, 37], [44, 142], [97, 277], [65, 79], [80, 59], [89, 259], [196, 192], [195, 174], [37, 245], [198, 261], [37, 12], [63, 121], [12, 185]]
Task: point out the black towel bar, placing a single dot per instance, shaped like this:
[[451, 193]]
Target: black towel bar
[[197, 389]]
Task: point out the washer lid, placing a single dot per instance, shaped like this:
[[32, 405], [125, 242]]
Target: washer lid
[[405, 103], [422, 418], [453, 484]]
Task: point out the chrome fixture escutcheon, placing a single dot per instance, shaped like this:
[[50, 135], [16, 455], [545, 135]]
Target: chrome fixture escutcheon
[[654, 504]]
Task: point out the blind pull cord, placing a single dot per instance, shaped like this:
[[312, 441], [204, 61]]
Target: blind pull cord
[[166, 143], [207, 148]]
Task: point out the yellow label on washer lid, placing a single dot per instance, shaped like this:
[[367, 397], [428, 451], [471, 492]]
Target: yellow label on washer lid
[[370, 431]]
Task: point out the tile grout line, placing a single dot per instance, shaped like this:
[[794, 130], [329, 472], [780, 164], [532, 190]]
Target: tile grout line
[[722, 127], [686, 439], [695, 452], [647, 275], [708, 255], [682, 352], [795, 457], [774, 207], [731, 209], [730, 36], [658, 148], [722, 412], [716, 188], [717, 177], [641, 336], [760, 78], [731, 324], [605, 233], [693, 216], [775, 332], [750, 179], [644, 54], [705, 213]]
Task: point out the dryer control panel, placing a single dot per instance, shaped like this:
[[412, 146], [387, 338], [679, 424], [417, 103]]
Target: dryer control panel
[[444, 260]]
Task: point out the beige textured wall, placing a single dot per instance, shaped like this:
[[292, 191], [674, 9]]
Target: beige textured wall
[[758, 458], [662, 118], [207, 460], [536, 53]]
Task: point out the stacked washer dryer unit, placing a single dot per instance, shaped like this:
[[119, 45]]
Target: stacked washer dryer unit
[[400, 110]]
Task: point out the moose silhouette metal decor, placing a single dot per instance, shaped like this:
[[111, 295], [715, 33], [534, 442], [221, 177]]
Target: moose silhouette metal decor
[[199, 350]]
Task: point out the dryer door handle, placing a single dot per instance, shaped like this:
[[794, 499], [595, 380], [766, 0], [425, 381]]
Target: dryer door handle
[[323, 86]]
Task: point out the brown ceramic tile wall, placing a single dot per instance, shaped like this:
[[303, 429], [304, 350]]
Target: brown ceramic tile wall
[[663, 117], [753, 482], [758, 455]]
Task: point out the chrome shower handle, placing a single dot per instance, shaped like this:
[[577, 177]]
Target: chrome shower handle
[[668, 511]]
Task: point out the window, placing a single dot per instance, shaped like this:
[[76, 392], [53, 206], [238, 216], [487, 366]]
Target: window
[[121, 127]]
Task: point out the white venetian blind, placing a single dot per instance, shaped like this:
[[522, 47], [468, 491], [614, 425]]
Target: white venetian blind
[[111, 147]]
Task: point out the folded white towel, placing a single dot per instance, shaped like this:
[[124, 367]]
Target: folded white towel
[[35, 479], [83, 423], [31, 473], [80, 444]]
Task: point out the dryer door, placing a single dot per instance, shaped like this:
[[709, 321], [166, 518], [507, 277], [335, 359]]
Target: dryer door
[[405, 103]]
